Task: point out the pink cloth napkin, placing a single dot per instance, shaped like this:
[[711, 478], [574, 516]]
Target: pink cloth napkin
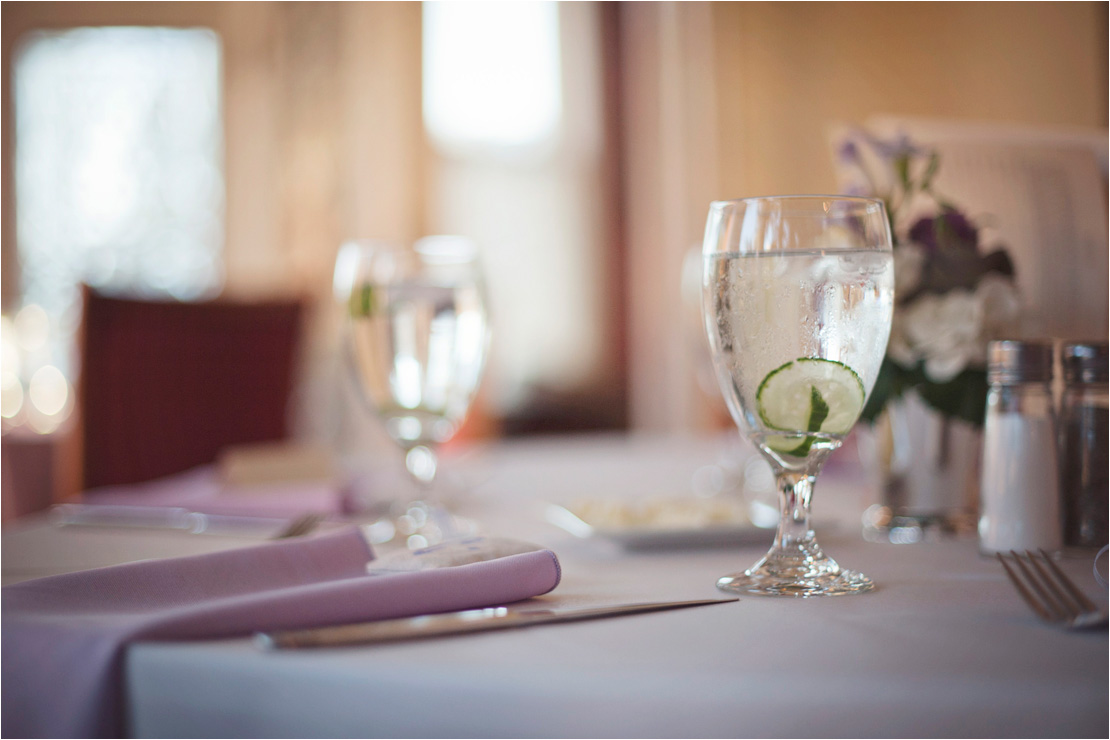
[[201, 490], [64, 636]]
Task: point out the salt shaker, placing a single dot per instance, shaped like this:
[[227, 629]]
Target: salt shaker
[[1084, 444], [1020, 490]]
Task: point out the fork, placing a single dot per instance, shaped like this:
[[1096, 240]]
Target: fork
[[1049, 592]]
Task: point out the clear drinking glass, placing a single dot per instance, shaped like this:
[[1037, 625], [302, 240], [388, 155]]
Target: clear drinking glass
[[417, 333], [798, 294]]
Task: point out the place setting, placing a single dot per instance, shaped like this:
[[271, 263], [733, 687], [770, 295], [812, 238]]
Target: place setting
[[554, 369], [281, 550], [797, 301], [415, 335]]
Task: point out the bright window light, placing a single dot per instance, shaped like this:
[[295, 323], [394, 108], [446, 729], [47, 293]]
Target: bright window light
[[491, 72], [119, 175]]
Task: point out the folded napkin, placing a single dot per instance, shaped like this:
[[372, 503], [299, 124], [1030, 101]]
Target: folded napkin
[[64, 636], [202, 490]]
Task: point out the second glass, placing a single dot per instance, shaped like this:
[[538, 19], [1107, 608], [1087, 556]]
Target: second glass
[[418, 334]]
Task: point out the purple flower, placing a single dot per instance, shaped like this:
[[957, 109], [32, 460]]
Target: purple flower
[[900, 146], [848, 152], [949, 229]]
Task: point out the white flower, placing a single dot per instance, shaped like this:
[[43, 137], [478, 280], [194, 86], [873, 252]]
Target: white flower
[[950, 332], [946, 332]]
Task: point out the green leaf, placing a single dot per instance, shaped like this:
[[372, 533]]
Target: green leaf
[[893, 380], [930, 172], [902, 168], [803, 449], [964, 397], [362, 300], [818, 410]]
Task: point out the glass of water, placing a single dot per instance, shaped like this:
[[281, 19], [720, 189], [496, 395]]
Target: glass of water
[[798, 294], [417, 334]]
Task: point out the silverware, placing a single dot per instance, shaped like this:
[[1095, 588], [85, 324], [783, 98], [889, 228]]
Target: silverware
[[1049, 592], [454, 623], [300, 526], [180, 519]]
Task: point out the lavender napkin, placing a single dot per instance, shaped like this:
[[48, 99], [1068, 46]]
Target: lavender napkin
[[64, 636]]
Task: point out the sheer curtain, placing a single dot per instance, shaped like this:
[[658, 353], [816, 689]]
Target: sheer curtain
[[587, 229], [516, 113]]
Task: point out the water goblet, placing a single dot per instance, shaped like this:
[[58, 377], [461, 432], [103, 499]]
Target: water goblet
[[798, 295], [417, 334]]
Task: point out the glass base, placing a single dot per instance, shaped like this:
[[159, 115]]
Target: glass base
[[843, 583], [418, 524], [801, 571]]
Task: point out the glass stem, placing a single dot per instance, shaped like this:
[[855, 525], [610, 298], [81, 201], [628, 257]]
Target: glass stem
[[421, 462], [795, 495]]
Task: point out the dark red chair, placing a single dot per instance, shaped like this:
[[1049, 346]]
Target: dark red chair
[[166, 385]]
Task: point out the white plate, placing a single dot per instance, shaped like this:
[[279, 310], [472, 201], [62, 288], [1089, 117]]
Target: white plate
[[677, 523]]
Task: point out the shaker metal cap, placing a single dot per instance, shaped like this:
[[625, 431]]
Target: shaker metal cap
[[1084, 362], [1013, 361]]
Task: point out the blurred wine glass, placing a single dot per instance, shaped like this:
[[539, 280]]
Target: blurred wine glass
[[417, 334]]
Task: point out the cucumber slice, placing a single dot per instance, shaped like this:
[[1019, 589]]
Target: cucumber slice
[[811, 394]]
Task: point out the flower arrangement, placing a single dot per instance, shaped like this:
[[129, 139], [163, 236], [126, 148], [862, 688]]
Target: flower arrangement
[[953, 294]]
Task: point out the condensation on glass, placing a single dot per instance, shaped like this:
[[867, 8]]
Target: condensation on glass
[[119, 166]]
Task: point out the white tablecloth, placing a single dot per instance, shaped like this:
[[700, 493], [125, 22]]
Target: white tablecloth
[[942, 648]]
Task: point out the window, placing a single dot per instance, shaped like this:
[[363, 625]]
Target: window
[[118, 184], [513, 108], [491, 73], [118, 165]]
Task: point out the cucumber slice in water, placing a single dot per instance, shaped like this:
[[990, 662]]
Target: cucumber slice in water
[[809, 394]]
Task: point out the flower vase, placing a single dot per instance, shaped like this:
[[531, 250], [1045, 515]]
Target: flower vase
[[925, 467]]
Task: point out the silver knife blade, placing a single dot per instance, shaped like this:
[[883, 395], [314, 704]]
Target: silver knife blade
[[160, 517], [454, 623]]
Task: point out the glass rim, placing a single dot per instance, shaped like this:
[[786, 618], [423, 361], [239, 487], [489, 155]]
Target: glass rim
[[861, 199], [726, 216]]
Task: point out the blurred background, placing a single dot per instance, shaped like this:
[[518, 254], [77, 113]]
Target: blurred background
[[190, 151]]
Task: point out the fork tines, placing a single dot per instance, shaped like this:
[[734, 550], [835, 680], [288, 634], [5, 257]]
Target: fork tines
[[1048, 591]]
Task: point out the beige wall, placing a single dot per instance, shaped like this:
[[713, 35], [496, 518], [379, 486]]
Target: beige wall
[[786, 71]]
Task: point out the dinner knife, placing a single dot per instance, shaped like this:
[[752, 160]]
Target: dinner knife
[[168, 517], [455, 623]]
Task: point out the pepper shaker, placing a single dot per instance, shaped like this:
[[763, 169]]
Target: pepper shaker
[[1084, 444], [1020, 489]]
